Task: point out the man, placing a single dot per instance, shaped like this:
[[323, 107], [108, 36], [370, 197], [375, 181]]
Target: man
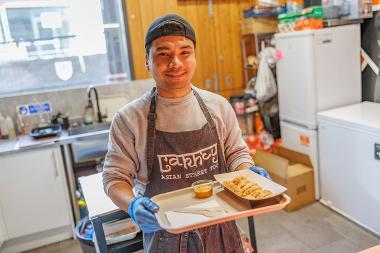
[[173, 121]]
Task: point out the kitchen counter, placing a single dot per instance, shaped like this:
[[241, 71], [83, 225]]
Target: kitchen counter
[[25, 142], [7, 146]]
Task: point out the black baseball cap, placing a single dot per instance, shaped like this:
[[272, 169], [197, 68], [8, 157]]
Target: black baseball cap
[[170, 24]]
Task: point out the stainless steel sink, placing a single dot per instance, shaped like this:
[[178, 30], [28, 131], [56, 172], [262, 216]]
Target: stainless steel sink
[[89, 128]]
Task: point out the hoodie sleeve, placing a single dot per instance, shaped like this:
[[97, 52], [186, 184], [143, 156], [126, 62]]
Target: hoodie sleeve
[[121, 162], [236, 150]]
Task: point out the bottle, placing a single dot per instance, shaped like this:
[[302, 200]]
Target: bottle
[[11, 127], [88, 115], [3, 127], [20, 124], [259, 125]]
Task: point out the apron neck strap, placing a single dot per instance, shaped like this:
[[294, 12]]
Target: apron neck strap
[[151, 131], [204, 109]]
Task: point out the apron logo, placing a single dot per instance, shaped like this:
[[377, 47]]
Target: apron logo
[[189, 160]]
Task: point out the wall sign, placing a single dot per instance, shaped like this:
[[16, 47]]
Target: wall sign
[[34, 109]]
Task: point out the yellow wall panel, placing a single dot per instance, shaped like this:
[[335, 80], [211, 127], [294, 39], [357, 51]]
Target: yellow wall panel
[[217, 27]]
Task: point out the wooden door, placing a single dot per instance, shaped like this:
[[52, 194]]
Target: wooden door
[[197, 13], [217, 27], [140, 14], [228, 17]]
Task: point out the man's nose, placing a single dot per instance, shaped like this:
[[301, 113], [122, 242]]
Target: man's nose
[[175, 61]]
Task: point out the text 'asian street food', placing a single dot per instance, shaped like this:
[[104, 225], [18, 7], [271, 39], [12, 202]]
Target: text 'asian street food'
[[246, 188]]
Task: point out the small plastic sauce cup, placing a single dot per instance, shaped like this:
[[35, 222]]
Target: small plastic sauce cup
[[202, 188]]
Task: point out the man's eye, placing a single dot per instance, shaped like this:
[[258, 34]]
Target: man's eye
[[186, 52], [163, 54]]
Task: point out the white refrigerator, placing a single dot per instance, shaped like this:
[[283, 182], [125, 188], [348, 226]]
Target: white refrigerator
[[319, 70], [349, 146]]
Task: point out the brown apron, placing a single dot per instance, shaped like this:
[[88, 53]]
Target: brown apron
[[175, 161]]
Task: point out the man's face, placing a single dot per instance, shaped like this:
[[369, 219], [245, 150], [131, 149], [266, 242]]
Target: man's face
[[171, 60]]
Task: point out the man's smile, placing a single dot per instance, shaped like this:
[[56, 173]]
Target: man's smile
[[175, 74]]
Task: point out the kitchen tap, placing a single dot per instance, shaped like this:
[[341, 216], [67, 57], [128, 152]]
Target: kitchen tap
[[89, 89]]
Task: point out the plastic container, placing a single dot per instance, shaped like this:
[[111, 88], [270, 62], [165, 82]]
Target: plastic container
[[42, 132], [332, 12], [202, 188], [84, 233], [118, 231]]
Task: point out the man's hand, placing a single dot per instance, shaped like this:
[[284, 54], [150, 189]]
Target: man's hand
[[260, 171], [142, 211]]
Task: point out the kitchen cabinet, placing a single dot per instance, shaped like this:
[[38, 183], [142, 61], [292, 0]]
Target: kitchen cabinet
[[217, 27], [34, 195], [1, 238], [2, 231]]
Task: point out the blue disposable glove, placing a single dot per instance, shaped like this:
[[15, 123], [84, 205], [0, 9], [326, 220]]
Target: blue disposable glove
[[260, 171], [142, 211]]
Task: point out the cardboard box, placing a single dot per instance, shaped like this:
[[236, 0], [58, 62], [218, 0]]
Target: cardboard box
[[258, 25], [292, 170]]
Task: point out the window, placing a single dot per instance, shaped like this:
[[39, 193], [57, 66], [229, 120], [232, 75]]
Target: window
[[50, 44]]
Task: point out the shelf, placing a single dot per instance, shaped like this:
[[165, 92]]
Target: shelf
[[251, 26], [251, 47]]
